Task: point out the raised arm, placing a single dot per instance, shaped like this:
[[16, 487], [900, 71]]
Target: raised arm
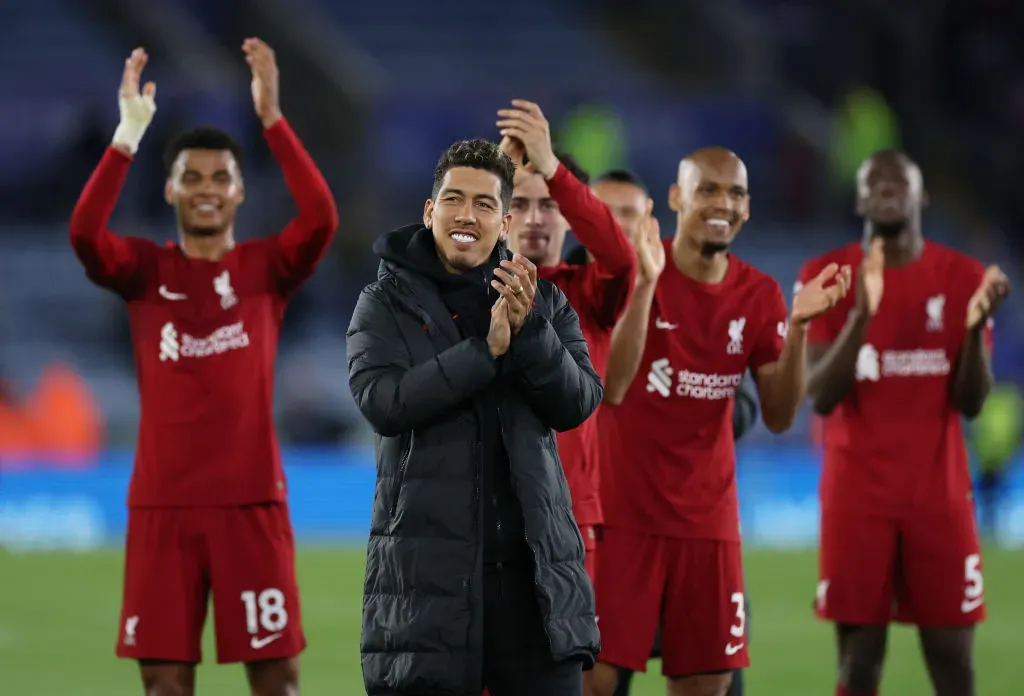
[[630, 335], [394, 395], [600, 233], [527, 140], [832, 355], [109, 260], [972, 377], [782, 382], [305, 239]]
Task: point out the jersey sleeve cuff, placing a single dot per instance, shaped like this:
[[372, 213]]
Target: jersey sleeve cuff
[[280, 129], [118, 155]]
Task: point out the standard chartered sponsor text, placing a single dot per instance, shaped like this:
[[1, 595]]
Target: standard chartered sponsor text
[[907, 363], [230, 337], [698, 385]]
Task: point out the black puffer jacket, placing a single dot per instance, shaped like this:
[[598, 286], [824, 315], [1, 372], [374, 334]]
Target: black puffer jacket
[[414, 379]]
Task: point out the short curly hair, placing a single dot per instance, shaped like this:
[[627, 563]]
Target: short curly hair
[[477, 154], [202, 138]]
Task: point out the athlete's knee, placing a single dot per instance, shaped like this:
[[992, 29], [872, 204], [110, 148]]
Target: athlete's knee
[[949, 654], [624, 680], [700, 685], [277, 677], [736, 687], [603, 680], [861, 657], [167, 678]]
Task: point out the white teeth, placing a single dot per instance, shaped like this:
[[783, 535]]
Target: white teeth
[[463, 237], [718, 222], [207, 208]]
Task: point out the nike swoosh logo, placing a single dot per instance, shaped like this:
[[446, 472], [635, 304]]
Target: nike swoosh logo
[[731, 649], [167, 294], [662, 324], [969, 605], [258, 643]]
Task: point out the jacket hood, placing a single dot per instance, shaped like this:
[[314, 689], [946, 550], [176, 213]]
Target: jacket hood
[[412, 249]]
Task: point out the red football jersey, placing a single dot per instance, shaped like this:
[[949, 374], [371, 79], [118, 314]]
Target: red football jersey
[[205, 337], [599, 292], [671, 461], [896, 442]]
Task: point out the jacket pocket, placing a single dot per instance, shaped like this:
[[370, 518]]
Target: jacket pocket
[[403, 465]]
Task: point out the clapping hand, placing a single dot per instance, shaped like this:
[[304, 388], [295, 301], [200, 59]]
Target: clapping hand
[[869, 279], [265, 80], [994, 288], [500, 333], [650, 252], [815, 298], [526, 138], [517, 284]]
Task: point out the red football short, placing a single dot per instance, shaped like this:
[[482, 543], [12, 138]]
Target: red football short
[[693, 587], [176, 557], [922, 568]]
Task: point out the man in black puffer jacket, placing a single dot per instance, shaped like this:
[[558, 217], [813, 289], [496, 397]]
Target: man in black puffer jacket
[[465, 366]]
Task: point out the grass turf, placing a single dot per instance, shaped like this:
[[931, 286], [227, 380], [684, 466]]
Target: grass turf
[[59, 615]]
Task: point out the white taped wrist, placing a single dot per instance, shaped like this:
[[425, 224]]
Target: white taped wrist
[[136, 115], [129, 135]]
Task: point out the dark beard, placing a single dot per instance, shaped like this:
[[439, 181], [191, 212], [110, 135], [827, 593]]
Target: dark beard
[[888, 230], [709, 249]]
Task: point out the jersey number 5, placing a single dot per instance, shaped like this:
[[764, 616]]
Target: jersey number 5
[[265, 610], [974, 585]]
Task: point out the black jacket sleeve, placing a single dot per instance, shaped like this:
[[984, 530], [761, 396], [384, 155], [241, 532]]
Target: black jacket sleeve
[[744, 414], [394, 395], [552, 362]]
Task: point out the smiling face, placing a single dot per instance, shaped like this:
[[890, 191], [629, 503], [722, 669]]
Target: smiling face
[[711, 200], [205, 188], [537, 230], [466, 217]]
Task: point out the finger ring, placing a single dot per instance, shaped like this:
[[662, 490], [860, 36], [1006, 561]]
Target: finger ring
[[518, 291]]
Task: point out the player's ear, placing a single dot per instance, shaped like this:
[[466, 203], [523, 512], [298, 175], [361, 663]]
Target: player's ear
[[925, 200], [675, 198], [506, 223], [649, 208], [169, 192], [428, 214]]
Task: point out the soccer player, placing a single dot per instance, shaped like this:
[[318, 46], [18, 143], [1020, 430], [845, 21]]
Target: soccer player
[[207, 508], [550, 198], [670, 492], [893, 372], [629, 200]]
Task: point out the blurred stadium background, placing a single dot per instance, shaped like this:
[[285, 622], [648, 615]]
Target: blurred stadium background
[[802, 90]]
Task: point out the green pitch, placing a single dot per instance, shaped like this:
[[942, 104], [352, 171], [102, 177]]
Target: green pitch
[[59, 614]]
